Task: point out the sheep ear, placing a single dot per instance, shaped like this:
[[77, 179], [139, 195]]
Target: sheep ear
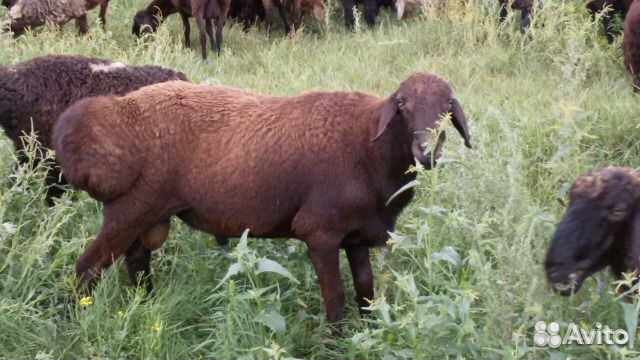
[[389, 111], [460, 121]]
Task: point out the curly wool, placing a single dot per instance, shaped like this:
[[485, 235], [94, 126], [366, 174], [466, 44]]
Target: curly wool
[[40, 12]]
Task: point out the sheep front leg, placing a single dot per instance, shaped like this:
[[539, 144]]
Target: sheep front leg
[[103, 13], [268, 14], [525, 20], [360, 264], [325, 258], [503, 10], [283, 16], [187, 29], [349, 18], [82, 25], [297, 14], [202, 34], [370, 11]]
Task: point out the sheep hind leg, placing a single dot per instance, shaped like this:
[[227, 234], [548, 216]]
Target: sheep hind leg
[[138, 260], [138, 256], [360, 265], [203, 36], [53, 184], [117, 234], [103, 13], [82, 25], [209, 28]]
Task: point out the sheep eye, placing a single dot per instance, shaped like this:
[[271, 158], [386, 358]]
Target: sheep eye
[[400, 101]]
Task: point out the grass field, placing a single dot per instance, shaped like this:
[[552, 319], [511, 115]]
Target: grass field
[[463, 276]]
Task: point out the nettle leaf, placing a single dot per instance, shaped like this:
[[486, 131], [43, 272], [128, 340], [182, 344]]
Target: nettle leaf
[[630, 320], [406, 187], [268, 265], [273, 320], [234, 269], [447, 254]]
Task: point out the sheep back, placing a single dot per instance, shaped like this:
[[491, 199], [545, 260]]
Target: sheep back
[[245, 160], [40, 12], [40, 89]]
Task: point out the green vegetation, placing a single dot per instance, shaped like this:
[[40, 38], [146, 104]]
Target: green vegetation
[[463, 275]]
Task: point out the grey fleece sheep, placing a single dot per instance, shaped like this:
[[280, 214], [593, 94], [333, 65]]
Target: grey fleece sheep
[[35, 92], [35, 13], [320, 166]]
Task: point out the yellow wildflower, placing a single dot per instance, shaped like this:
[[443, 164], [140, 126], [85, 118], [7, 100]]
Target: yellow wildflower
[[86, 301], [157, 327], [120, 313]]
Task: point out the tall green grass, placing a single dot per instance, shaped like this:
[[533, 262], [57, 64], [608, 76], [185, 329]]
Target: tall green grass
[[462, 276]]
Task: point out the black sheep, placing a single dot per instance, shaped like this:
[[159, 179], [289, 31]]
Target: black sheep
[[40, 89], [600, 228], [618, 8]]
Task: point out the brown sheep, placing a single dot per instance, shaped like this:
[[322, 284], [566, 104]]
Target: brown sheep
[[205, 13], [631, 43], [33, 13], [297, 8], [318, 166], [600, 228], [35, 92]]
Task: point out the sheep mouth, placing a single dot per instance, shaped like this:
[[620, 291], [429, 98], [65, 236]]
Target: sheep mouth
[[571, 286]]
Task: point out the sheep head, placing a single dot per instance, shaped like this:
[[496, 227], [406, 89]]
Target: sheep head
[[8, 3], [147, 21], [144, 22], [420, 103], [599, 228]]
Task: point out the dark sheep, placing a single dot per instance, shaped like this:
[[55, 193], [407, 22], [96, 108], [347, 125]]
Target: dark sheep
[[35, 92], [247, 12], [371, 9], [525, 7], [631, 43], [8, 3], [600, 228], [617, 8], [26, 14], [205, 12], [318, 166]]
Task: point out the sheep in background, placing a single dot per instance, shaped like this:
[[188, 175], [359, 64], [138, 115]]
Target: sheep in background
[[631, 43], [8, 3], [320, 166], [205, 12], [525, 7], [407, 7], [296, 9], [600, 228], [35, 92], [616, 8], [34, 13]]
